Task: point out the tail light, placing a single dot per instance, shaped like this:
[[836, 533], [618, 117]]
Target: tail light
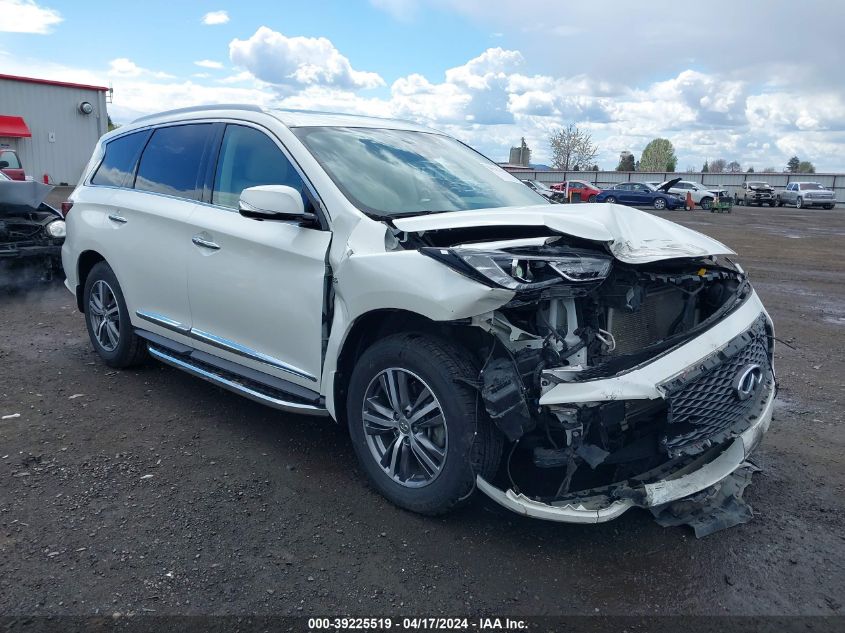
[[67, 205]]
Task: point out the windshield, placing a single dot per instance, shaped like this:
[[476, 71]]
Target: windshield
[[757, 184], [393, 173], [539, 185], [810, 185]]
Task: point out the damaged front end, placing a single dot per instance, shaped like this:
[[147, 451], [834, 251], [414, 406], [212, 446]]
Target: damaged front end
[[31, 234], [617, 383]]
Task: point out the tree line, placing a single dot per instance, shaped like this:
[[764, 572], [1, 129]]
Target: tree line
[[573, 150]]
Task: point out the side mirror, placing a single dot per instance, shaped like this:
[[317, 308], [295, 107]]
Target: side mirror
[[273, 202]]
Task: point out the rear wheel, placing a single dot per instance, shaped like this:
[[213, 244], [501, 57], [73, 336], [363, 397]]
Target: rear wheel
[[706, 203], [828, 206], [610, 199], [107, 319], [416, 426]]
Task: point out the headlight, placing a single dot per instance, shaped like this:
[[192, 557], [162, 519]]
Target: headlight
[[56, 228], [518, 270]]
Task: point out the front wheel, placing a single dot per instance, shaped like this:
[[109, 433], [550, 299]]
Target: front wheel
[[659, 203], [107, 319], [610, 200], [799, 203], [592, 198], [706, 203], [828, 206], [416, 426]]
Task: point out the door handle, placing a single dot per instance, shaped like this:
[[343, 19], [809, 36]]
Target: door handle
[[114, 217], [204, 243]]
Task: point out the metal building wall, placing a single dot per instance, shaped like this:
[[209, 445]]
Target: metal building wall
[[54, 109]]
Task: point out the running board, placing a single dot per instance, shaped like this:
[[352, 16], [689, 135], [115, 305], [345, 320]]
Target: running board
[[262, 394]]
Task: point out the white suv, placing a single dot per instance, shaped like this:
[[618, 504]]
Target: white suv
[[700, 195], [570, 365]]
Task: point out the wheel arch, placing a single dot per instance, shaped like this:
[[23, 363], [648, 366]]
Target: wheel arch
[[84, 264], [377, 324]]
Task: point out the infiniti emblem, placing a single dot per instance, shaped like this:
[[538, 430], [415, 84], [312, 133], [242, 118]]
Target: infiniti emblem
[[746, 381]]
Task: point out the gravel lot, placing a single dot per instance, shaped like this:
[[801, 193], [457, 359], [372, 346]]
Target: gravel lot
[[150, 491]]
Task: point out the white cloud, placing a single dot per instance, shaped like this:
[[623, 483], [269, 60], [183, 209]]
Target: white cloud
[[123, 67], [24, 16], [208, 63], [215, 17], [298, 62]]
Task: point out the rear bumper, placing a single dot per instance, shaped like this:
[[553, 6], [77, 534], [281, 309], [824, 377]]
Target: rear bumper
[[599, 507]]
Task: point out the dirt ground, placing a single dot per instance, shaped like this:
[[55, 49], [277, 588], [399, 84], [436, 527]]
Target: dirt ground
[[150, 491]]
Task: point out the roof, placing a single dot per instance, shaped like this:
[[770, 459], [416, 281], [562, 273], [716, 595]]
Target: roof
[[14, 127], [50, 82], [290, 118]]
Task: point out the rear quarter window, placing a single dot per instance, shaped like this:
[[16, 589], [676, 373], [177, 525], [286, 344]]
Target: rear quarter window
[[119, 162]]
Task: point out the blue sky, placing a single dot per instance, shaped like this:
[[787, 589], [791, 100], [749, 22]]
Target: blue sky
[[487, 71]]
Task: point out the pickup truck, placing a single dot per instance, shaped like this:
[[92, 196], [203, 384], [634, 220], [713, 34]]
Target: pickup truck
[[756, 192], [806, 194]]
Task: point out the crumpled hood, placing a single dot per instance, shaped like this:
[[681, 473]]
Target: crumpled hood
[[633, 236], [28, 193]]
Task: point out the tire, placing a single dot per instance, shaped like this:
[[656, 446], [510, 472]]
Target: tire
[[659, 203], [706, 203], [828, 206], [772, 204], [799, 202], [745, 201], [471, 444], [780, 202], [107, 320], [610, 200], [592, 198]]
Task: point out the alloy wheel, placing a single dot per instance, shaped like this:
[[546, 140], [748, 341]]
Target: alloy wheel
[[659, 203], [105, 315], [405, 427]]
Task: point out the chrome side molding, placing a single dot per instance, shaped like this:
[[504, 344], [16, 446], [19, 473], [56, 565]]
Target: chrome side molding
[[163, 321], [222, 343], [231, 385]]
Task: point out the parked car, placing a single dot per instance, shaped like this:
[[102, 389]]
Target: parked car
[[10, 164], [31, 233], [701, 196], [386, 275], [547, 192], [587, 191], [640, 194], [756, 192], [806, 194]]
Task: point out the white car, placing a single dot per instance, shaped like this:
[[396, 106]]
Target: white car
[[569, 365], [701, 196]]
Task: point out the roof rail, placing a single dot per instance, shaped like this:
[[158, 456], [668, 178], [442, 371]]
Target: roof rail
[[200, 108]]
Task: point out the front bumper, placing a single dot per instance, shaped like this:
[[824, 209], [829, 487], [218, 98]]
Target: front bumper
[[599, 508], [679, 478]]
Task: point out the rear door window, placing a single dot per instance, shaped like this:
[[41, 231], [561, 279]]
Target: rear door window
[[119, 162], [171, 161]]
